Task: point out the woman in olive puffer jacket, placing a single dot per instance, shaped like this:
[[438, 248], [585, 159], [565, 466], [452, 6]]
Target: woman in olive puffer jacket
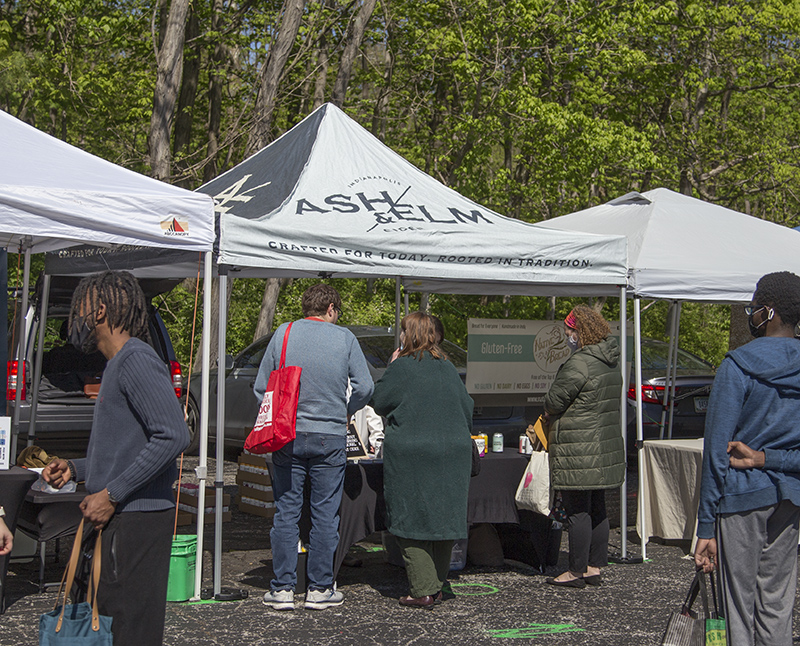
[[587, 454]]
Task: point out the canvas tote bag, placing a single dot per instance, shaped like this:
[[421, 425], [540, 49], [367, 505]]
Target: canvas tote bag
[[79, 623], [277, 415]]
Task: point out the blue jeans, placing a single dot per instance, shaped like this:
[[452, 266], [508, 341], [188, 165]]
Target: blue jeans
[[320, 458]]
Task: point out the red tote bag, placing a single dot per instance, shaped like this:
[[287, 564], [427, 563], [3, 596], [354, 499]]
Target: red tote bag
[[277, 415]]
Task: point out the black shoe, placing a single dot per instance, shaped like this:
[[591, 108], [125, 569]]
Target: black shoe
[[594, 579], [572, 583]]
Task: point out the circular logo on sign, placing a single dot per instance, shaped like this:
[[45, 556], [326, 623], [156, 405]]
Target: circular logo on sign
[[550, 347]]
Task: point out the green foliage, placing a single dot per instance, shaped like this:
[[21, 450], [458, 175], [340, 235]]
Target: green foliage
[[535, 108]]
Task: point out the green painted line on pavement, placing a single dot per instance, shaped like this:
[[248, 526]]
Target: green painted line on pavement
[[531, 631], [491, 589]]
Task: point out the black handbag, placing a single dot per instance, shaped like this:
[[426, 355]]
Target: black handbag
[[696, 628]]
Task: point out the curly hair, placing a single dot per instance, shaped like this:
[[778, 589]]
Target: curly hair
[[592, 327], [780, 291], [419, 336]]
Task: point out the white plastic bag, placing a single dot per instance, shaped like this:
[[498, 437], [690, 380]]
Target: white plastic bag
[[534, 492]]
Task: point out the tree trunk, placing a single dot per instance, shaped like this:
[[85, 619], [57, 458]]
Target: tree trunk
[[170, 69], [267, 314], [355, 34], [740, 330], [197, 364], [184, 113], [322, 72], [214, 96], [272, 72]]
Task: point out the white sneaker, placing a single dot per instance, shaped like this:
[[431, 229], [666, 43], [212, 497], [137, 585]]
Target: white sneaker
[[321, 599], [279, 599]]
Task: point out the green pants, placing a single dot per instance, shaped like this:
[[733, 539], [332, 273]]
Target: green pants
[[427, 564]]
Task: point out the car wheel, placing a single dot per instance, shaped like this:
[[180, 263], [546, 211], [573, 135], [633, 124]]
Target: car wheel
[[193, 422]]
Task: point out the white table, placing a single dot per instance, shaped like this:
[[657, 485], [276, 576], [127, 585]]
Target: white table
[[670, 489]]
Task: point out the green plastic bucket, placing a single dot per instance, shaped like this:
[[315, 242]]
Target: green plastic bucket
[[182, 563]]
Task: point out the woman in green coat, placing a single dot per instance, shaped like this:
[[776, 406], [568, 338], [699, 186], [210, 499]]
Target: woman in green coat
[[587, 454], [427, 456]]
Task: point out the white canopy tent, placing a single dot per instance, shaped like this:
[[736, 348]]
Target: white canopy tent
[[53, 196], [683, 249], [328, 199]]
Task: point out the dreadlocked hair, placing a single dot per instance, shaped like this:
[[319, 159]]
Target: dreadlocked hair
[[120, 292], [781, 291]]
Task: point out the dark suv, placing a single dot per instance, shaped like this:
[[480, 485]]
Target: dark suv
[[377, 343], [64, 411]]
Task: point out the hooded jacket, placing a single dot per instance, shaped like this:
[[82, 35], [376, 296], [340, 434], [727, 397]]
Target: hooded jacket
[[585, 442], [755, 400]]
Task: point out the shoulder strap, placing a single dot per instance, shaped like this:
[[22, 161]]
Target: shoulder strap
[[283, 351], [69, 576]]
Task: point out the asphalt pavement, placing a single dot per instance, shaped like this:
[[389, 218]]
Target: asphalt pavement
[[484, 605]]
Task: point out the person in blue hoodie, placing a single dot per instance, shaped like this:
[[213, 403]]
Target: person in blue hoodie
[[749, 509]]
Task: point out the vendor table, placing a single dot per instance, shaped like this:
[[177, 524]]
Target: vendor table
[[363, 510], [14, 483], [670, 488], [47, 516]]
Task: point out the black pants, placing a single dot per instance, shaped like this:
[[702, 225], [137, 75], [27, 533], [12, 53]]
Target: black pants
[[133, 580], [588, 528]]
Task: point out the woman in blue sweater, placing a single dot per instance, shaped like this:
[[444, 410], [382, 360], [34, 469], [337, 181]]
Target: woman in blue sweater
[[750, 490]]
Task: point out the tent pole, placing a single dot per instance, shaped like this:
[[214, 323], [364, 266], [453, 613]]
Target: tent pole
[[397, 312], [405, 303], [21, 350], [674, 375], [668, 371], [623, 415], [637, 332], [202, 468], [219, 479], [37, 370]]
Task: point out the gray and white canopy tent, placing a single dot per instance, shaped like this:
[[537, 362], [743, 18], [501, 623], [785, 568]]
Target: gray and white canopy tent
[[328, 199], [54, 196], [684, 249]]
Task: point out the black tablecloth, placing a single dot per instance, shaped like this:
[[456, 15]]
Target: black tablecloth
[[14, 484], [363, 510]]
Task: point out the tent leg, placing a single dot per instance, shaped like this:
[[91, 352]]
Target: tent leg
[[623, 416], [674, 374], [37, 370], [221, 594], [219, 479], [397, 312], [637, 333], [623, 419], [21, 353], [672, 324], [202, 468]]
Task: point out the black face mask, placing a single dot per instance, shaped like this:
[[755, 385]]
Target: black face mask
[[82, 336], [761, 329]]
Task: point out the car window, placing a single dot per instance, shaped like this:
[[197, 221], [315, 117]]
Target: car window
[[252, 355], [377, 349], [654, 359], [457, 356]]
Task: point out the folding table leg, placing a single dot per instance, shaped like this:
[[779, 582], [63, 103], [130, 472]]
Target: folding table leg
[[42, 551]]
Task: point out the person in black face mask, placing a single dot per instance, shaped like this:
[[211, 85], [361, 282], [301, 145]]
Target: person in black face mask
[[82, 332], [750, 489], [137, 432]]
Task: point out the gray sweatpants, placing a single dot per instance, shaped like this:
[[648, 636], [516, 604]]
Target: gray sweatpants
[[758, 562]]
